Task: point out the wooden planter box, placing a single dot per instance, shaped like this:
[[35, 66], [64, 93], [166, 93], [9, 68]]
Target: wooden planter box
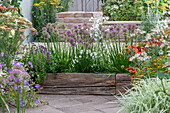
[[84, 84]]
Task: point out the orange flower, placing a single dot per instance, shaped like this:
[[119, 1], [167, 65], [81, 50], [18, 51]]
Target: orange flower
[[154, 60], [148, 65], [166, 70], [154, 63], [141, 75]]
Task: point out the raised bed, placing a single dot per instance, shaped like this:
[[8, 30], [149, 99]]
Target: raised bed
[[84, 84]]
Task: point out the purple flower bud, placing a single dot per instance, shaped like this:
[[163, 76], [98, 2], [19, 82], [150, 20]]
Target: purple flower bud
[[31, 64], [2, 54]]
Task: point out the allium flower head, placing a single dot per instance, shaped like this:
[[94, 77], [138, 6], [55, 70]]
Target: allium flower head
[[76, 26], [68, 32], [71, 40], [44, 32], [51, 29], [62, 36], [86, 44], [111, 28], [44, 29], [49, 25], [125, 30], [55, 31], [47, 36], [80, 40]]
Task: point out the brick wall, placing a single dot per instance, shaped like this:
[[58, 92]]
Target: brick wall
[[74, 18]]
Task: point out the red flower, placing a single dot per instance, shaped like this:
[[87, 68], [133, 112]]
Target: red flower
[[132, 77]]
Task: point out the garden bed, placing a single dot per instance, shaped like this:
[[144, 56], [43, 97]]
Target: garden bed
[[84, 84]]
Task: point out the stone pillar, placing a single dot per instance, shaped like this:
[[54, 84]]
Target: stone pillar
[[26, 6]]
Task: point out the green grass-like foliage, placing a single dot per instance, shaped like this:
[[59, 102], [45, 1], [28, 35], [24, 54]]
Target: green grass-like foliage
[[147, 96]]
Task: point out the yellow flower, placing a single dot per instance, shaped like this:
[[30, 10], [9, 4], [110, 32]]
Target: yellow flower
[[60, 7], [141, 7], [52, 3], [42, 3], [148, 2], [36, 4]]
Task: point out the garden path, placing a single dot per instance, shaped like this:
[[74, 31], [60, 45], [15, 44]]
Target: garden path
[[77, 104]]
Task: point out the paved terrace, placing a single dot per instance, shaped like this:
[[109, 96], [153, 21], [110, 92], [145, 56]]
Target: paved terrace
[[76, 104]]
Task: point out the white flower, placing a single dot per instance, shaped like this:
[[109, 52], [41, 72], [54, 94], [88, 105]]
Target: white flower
[[161, 52], [81, 52], [80, 56]]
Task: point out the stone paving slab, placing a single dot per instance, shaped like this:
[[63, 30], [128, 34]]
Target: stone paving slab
[[76, 104]]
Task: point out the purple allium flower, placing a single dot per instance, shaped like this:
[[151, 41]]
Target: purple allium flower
[[37, 101], [80, 26], [104, 29], [55, 31], [37, 86], [53, 62], [30, 63], [76, 30], [2, 54], [49, 25], [125, 30], [35, 33], [51, 29], [76, 26], [86, 44], [105, 32], [125, 25], [73, 44], [118, 28], [22, 102], [44, 32], [68, 32], [56, 23], [71, 40], [111, 28], [80, 40], [44, 29], [62, 36], [47, 36]]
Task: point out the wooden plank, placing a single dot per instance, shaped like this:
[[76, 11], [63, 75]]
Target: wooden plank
[[78, 91], [78, 79], [123, 80], [122, 77]]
